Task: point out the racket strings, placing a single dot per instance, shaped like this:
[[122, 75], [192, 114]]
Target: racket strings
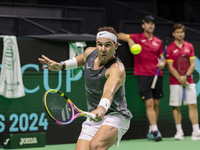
[[58, 107], [183, 65]]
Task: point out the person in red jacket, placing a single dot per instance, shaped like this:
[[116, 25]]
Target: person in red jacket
[[177, 48], [145, 67]]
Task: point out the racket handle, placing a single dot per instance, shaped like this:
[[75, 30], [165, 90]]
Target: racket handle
[[156, 76], [183, 94], [154, 82], [90, 115]]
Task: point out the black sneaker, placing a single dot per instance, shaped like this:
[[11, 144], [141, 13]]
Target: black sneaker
[[157, 136]]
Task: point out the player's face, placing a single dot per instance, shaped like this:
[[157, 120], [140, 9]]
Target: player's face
[[106, 48], [179, 34], [148, 26]]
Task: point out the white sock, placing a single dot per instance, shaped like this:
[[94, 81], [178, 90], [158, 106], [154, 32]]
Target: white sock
[[150, 129], [195, 128], [154, 127], [179, 127]]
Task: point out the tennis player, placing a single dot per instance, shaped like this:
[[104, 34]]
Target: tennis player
[[104, 82], [145, 66], [177, 48]]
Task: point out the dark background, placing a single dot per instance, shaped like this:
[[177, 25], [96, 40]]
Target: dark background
[[33, 17]]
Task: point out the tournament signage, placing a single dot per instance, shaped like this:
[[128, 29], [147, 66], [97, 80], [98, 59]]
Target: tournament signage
[[12, 141], [26, 115]]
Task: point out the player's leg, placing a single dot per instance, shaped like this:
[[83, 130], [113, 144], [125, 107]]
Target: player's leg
[[177, 115], [157, 95], [89, 129], [176, 102], [191, 101], [82, 144], [145, 91], [177, 119], [156, 107], [144, 86], [150, 112], [154, 133], [193, 115], [114, 126], [104, 138]]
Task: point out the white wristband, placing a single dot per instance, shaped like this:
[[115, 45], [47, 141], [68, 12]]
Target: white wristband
[[71, 63], [105, 103]]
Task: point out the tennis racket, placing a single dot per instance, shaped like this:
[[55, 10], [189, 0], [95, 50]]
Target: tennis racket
[[182, 67], [60, 108], [156, 76]]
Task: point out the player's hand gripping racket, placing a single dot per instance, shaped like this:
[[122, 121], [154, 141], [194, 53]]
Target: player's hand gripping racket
[[182, 67], [60, 108], [156, 76]]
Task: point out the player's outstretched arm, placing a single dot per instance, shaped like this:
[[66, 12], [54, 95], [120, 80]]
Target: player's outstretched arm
[[75, 62], [51, 64], [123, 37]]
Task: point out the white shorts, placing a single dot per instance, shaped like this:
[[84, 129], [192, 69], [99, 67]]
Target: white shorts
[[176, 95], [115, 119]]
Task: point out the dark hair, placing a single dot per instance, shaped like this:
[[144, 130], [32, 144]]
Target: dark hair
[[109, 29], [178, 26]]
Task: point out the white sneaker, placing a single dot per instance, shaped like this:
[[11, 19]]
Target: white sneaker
[[179, 135], [195, 136]]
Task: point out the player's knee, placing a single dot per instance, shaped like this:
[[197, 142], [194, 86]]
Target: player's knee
[[149, 103], [156, 106], [176, 108], [95, 146], [192, 106], [156, 103]]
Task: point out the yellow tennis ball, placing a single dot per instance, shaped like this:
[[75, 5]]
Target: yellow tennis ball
[[135, 49]]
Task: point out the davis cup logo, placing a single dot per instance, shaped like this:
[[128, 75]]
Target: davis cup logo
[[10, 56]]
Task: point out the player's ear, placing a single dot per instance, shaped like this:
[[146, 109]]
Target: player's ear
[[116, 45], [142, 25], [173, 33]]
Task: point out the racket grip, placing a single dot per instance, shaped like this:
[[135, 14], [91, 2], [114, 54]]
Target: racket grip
[[90, 115], [183, 94], [154, 82], [156, 76]]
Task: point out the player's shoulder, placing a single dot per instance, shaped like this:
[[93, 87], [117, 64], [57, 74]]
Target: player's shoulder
[[117, 69], [118, 65], [88, 51], [188, 43], [157, 39], [171, 47]]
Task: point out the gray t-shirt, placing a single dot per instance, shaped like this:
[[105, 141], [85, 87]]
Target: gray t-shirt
[[94, 84]]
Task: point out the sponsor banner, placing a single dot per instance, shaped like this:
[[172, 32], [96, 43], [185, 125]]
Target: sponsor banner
[[26, 140]]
